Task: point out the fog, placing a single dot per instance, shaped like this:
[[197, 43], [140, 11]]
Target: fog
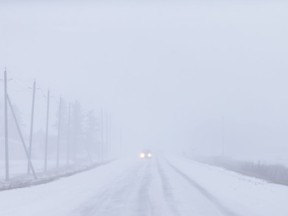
[[204, 77]]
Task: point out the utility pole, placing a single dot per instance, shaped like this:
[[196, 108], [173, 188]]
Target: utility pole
[[47, 131], [120, 147], [102, 138], [32, 124], [68, 136], [59, 133], [223, 135], [108, 132], [22, 138], [6, 127], [110, 136], [107, 136]]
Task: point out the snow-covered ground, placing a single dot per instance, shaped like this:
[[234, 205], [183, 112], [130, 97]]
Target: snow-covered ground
[[19, 176], [160, 186], [19, 167]]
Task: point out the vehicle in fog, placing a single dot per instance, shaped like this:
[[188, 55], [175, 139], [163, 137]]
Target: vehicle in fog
[[145, 154]]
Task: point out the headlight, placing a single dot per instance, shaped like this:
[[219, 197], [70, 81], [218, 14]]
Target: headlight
[[149, 155], [142, 155]]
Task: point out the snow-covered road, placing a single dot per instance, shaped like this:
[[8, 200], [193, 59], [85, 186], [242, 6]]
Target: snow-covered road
[[159, 187]]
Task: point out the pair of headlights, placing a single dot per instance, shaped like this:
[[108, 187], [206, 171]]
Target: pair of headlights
[[145, 155]]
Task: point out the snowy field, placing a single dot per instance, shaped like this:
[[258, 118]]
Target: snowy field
[[19, 168], [20, 178], [159, 186]]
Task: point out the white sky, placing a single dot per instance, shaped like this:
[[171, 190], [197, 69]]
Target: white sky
[[167, 71]]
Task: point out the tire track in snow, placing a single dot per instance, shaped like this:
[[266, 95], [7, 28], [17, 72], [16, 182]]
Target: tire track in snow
[[142, 201], [224, 210], [112, 200], [166, 187]]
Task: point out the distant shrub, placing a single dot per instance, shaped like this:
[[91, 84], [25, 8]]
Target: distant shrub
[[274, 173]]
